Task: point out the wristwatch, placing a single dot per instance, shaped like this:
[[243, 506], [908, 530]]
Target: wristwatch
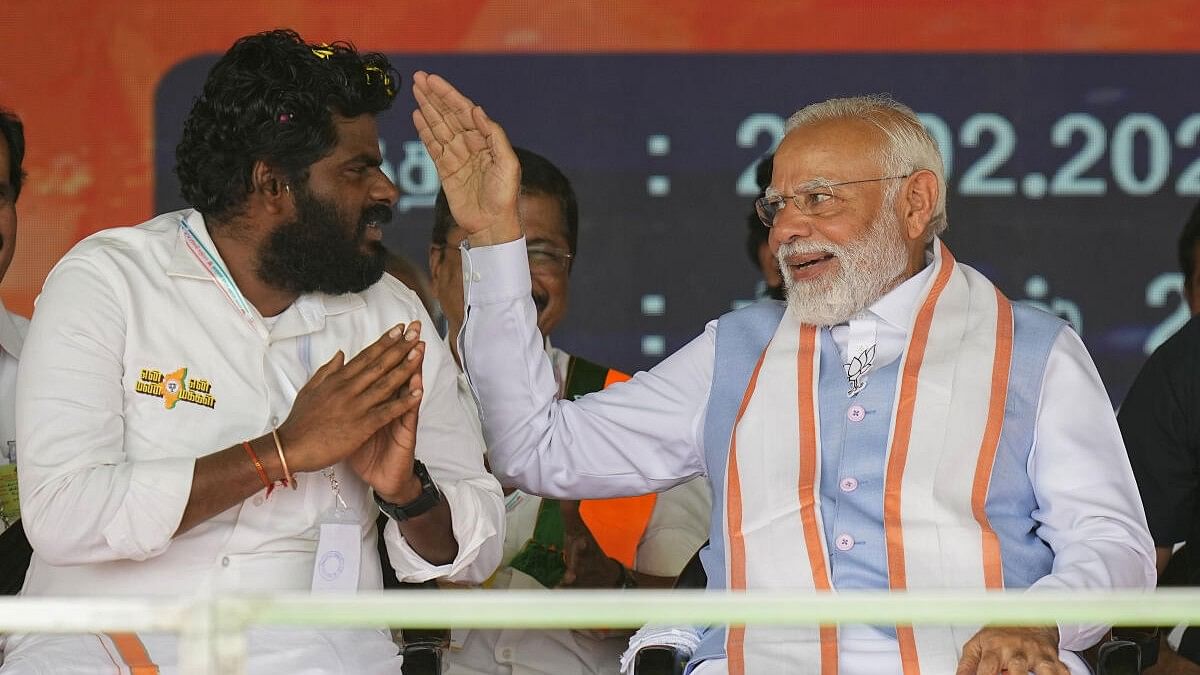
[[429, 498]]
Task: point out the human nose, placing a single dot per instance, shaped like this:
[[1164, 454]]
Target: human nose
[[789, 223], [384, 190]]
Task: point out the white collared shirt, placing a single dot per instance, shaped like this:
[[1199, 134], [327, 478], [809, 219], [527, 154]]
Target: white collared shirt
[[106, 463], [595, 446]]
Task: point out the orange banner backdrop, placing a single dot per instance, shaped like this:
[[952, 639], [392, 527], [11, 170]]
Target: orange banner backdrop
[[83, 75]]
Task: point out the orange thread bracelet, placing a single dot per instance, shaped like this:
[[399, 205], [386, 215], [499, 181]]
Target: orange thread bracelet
[[258, 466], [288, 478]]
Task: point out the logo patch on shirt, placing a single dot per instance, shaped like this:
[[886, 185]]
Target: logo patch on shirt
[[174, 387]]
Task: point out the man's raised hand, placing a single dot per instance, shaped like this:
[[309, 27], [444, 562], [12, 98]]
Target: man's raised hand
[[475, 162]]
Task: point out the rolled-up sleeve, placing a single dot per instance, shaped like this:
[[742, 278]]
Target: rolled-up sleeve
[[1088, 505], [450, 446], [82, 499]]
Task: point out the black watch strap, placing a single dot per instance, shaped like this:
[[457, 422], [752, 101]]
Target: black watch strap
[[429, 498]]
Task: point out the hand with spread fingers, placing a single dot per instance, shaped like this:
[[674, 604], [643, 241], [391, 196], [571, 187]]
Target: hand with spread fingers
[[475, 162], [1013, 650], [346, 403]]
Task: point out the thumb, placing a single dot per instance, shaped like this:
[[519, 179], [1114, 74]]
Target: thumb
[[328, 368], [969, 663], [570, 554]]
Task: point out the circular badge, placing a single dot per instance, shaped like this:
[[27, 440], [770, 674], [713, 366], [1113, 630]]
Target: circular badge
[[331, 565]]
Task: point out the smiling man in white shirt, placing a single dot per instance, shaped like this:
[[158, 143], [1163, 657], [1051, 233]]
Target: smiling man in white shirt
[[897, 423], [222, 399]]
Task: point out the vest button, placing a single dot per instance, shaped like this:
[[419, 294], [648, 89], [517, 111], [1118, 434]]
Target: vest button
[[848, 484], [856, 413], [844, 542]]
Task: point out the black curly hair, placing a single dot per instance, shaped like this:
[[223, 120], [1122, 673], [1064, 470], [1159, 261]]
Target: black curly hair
[[13, 133], [272, 97]]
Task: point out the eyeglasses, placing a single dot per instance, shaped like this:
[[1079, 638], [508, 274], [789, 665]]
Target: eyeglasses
[[816, 201], [547, 259], [543, 260]]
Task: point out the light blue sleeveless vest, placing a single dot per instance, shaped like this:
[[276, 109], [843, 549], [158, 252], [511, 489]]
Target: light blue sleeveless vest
[[856, 448]]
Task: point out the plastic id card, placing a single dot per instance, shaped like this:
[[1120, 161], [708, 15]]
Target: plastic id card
[[339, 552]]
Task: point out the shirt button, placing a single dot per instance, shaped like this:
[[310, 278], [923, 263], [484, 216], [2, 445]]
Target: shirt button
[[275, 421], [506, 654], [848, 484], [225, 561], [856, 413], [476, 277], [844, 542], [258, 501]]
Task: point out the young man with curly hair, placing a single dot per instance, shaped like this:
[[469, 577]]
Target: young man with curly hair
[[221, 399]]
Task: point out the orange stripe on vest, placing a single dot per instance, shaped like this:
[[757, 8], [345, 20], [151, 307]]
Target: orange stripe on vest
[[133, 653], [893, 531], [993, 567], [735, 637], [808, 491]]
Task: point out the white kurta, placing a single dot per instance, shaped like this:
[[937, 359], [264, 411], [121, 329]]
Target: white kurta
[[106, 464], [591, 447]]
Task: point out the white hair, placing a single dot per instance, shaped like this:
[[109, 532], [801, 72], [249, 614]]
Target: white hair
[[909, 146]]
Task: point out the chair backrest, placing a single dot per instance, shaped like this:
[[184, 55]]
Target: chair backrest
[[15, 553]]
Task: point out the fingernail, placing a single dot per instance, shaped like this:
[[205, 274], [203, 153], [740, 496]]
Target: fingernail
[[411, 355], [395, 332], [415, 393], [413, 331]]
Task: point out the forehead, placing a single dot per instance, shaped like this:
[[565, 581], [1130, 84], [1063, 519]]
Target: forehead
[[542, 217], [834, 150], [355, 136]]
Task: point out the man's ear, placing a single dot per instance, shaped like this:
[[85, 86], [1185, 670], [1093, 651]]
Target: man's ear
[[271, 187], [918, 201], [436, 253]]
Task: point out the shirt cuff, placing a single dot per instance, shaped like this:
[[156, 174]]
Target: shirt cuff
[[495, 274], [151, 508], [1071, 637], [479, 541]]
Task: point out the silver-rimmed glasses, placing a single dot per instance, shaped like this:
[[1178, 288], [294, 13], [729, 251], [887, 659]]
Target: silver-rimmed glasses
[[818, 200]]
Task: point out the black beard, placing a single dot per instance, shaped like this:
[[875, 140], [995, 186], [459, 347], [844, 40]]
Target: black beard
[[313, 253]]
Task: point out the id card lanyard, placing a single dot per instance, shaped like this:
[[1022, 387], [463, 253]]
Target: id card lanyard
[[339, 544], [221, 277]]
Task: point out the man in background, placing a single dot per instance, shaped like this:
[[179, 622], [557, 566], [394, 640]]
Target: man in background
[[1160, 421], [12, 326], [758, 245], [634, 542]]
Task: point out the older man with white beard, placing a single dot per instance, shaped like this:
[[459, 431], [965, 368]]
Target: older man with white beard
[[897, 424]]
